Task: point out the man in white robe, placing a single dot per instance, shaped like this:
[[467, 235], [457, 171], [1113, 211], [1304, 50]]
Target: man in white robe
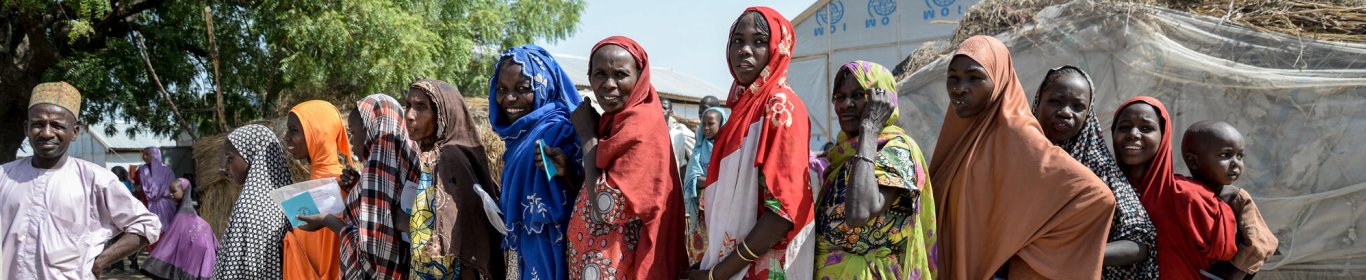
[[57, 212]]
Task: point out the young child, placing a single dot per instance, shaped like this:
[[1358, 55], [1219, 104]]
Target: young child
[[1213, 151], [188, 247]]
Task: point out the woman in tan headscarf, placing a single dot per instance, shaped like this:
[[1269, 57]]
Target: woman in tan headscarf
[[1011, 201], [452, 237]]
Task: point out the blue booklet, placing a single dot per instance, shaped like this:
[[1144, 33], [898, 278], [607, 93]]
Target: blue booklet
[[545, 160], [299, 205]]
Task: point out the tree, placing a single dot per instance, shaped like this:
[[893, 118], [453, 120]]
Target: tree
[[271, 54]]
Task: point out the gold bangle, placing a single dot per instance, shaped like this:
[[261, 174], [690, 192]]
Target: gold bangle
[[742, 256], [711, 274], [751, 252]]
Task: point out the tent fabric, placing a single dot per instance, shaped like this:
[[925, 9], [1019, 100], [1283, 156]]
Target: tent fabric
[[831, 33], [1300, 103]]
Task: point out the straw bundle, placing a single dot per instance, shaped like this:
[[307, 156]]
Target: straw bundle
[[1334, 20]]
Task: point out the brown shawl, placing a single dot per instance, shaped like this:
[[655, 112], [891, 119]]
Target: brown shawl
[[1008, 194], [462, 230]]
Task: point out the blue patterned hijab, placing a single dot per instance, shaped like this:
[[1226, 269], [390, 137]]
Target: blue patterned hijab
[[535, 207]]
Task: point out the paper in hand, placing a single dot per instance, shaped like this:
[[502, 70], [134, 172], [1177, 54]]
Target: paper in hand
[[321, 196], [545, 161]]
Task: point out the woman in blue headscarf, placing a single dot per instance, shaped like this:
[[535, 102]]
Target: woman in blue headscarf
[[695, 174], [530, 100]]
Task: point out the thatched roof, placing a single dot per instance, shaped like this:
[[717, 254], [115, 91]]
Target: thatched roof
[[218, 195], [1332, 20]]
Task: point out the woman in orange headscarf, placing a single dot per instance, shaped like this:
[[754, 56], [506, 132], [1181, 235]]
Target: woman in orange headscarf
[[1010, 200], [315, 134]]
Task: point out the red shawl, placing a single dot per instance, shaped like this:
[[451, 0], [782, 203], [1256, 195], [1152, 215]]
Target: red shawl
[[633, 147], [1194, 228], [784, 136]]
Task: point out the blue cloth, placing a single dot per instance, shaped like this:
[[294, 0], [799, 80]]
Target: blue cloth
[[697, 164], [129, 185], [536, 209]]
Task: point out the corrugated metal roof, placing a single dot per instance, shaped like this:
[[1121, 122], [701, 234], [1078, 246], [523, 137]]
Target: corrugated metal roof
[[121, 140], [117, 140], [672, 84]]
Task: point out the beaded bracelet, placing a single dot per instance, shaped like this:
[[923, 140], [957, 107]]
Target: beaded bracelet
[[864, 159]]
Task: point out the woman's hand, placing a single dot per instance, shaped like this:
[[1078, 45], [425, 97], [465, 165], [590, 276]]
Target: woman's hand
[[557, 158], [585, 120], [877, 110], [319, 221], [594, 212], [349, 178]]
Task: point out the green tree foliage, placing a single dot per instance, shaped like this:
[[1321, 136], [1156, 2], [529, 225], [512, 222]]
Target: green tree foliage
[[272, 54]]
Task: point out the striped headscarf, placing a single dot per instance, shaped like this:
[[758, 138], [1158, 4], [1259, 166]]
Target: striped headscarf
[[371, 245]]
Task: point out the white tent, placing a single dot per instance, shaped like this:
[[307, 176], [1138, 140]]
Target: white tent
[[831, 33], [1298, 101]]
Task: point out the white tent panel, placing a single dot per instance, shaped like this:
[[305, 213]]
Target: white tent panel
[[835, 32], [810, 86], [1297, 101]]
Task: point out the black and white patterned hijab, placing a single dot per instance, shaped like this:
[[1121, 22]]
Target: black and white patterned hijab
[[250, 247], [1131, 220]]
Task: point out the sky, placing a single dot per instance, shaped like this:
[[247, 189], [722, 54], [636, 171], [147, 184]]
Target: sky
[[686, 36]]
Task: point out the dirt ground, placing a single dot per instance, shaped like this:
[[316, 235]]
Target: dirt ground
[[127, 273]]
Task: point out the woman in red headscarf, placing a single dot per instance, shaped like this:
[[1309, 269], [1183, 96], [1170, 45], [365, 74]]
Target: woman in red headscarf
[[759, 199], [1194, 228], [628, 221]]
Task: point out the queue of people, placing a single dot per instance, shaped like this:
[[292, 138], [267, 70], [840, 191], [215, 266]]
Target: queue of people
[[1013, 190]]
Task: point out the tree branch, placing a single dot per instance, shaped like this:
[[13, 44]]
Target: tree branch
[[164, 94], [217, 78], [185, 45]]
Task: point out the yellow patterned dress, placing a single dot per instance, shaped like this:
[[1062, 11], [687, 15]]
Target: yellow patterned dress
[[899, 243], [425, 265]]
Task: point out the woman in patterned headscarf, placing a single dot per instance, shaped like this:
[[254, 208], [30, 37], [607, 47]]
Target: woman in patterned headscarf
[[758, 171], [450, 227], [1063, 107], [530, 98], [372, 246], [250, 247], [875, 216]]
